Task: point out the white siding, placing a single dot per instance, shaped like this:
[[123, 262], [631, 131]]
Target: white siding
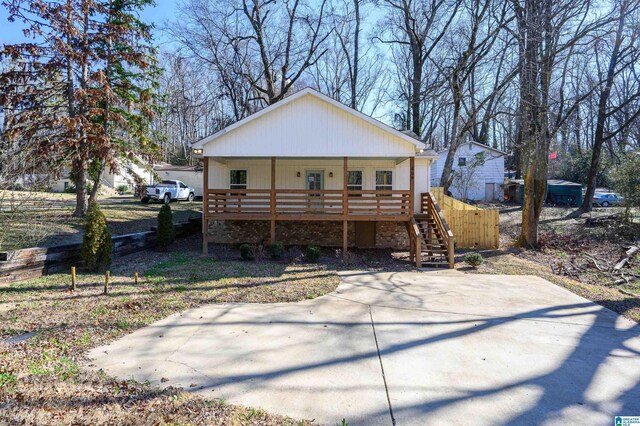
[[308, 127], [259, 173], [492, 171]]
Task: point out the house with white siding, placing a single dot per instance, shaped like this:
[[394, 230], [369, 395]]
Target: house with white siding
[[478, 172], [310, 170]]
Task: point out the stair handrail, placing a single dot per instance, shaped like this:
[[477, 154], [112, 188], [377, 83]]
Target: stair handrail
[[417, 240], [433, 209]]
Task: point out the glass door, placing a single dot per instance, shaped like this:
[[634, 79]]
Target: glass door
[[315, 182]]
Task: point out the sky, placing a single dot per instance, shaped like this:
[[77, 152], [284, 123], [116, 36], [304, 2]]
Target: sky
[[164, 10]]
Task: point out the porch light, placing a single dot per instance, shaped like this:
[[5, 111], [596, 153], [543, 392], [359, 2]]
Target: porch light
[[197, 151], [298, 174], [421, 151], [330, 174]]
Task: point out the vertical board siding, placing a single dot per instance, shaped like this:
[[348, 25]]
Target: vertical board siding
[[259, 172], [312, 127]]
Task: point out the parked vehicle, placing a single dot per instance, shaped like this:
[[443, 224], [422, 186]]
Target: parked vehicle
[[167, 191], [607, 199]]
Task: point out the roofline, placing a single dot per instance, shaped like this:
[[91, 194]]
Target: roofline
[[309, 91], [478, 144]]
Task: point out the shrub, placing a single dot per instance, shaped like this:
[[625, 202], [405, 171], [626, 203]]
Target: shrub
[[276, 250], [312, 254], [474, 260], [166, 234], [70, 189], [97, 245], [122, 189], [247, 252]]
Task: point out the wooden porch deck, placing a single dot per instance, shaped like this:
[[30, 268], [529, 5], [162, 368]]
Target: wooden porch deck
[[296, 204]]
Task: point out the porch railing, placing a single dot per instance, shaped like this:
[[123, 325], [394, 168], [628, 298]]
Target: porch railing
[[258, 202]]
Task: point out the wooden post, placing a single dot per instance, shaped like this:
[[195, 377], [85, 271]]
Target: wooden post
[[345, 206], [272, 200], [135, 277], [205, 206], [106, 282], [412, 184], [73, 278]]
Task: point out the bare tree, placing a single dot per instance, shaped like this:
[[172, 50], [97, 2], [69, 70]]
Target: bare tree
[[417, 27], [624, 53]]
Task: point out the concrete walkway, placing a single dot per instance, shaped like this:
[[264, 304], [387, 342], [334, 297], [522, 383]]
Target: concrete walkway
[[406, 348]]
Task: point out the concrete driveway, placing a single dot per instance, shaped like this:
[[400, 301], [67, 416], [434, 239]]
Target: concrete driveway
[[402, 348]]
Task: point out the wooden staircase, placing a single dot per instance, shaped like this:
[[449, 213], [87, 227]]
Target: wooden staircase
[[432, 241], [433, 248]]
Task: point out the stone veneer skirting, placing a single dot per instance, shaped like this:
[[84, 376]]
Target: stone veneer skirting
[[327, 234]]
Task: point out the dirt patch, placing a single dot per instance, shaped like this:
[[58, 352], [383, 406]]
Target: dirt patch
[[573, 254]]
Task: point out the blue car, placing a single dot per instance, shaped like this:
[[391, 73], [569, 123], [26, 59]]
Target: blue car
[[606, 199]]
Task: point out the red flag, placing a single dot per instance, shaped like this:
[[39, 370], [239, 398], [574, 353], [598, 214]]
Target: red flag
[[553, 155]]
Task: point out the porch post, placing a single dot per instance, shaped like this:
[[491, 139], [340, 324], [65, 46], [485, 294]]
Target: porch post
[[412, 184], [273, 200], [345, 208], [205, 206]]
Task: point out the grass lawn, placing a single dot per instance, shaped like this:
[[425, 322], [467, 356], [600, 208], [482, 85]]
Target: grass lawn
[[29, 219], [40, 378]]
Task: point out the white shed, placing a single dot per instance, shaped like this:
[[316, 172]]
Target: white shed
[[478, 172]]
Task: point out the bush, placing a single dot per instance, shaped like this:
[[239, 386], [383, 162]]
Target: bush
[[276, 250], [166, 234], [312, 254], [247, 252], [122, 189], [97, 245], [70, 189], [474, 260]]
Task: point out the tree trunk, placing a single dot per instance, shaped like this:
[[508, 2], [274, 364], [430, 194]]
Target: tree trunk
[[602, 117]]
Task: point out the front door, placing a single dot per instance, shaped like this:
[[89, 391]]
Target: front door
[[315, 182]]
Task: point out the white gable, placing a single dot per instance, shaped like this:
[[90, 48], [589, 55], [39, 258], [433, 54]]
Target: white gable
[[309, 124]]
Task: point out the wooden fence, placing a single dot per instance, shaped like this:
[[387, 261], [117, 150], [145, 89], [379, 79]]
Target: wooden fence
[[472, 226]]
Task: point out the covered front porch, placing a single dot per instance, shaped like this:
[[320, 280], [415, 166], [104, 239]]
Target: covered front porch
[[347, 189]]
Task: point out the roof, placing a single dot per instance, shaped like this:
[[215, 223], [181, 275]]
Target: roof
[[481, 145], [419, 145], [165, 167]]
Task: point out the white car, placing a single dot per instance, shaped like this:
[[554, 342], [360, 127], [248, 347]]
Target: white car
[[167, 191]]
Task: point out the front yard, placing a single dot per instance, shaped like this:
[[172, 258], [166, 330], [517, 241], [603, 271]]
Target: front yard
[[45, 330]]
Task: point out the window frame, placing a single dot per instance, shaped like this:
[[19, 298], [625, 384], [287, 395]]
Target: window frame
[[361, 185], [378, 186], [462, 160], [238, 185]]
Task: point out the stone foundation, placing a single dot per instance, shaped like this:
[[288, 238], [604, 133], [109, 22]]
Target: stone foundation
[[326, 234]]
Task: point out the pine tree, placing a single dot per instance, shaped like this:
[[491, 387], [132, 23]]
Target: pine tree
[[97, 245], [166, 233]]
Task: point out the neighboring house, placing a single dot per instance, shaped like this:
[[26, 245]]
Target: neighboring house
[[129, 173], [478, 172], [310, 170], [190, 175]]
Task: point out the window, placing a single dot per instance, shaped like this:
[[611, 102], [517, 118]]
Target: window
[[384, 180], [462, 161], [354, 180], [238, 179], [182, 185]]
